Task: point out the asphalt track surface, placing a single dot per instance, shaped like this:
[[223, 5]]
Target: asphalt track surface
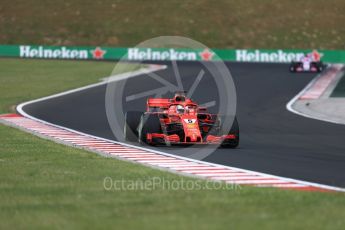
[[273, 140]]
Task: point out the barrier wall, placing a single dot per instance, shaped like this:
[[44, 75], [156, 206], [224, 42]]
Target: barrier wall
[[139, 54]]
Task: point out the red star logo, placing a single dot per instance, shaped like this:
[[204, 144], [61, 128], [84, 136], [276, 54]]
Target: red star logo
[[316, 55], [206, 55], [98, 53]]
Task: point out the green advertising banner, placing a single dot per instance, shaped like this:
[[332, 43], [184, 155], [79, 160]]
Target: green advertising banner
[[257, 55], [162, 54]]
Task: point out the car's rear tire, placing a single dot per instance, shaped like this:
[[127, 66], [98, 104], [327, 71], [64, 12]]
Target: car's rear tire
[[132, 120], [235, 130], [149, 123]]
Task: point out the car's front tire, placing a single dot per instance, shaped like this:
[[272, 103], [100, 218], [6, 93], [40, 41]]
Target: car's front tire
[[235, 130], [149, 123], [292, 67], [130, 130]]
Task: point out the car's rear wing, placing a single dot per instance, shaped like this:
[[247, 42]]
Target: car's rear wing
[[157, 103], [202, 109]]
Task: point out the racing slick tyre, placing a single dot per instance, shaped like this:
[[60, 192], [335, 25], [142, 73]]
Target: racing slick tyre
[[319, 67], [235, 130], [130, 130], [292, 67], [149, 123]]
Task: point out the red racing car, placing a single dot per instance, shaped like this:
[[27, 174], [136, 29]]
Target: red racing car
[[179, 121]]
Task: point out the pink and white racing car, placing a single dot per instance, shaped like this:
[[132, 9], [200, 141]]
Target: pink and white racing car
[[307, 63]]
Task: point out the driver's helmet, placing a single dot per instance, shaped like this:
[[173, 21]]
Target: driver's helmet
[[179, 109], [304, 58]]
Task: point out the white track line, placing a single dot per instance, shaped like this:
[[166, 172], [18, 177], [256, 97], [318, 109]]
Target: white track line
[[289, 105]]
